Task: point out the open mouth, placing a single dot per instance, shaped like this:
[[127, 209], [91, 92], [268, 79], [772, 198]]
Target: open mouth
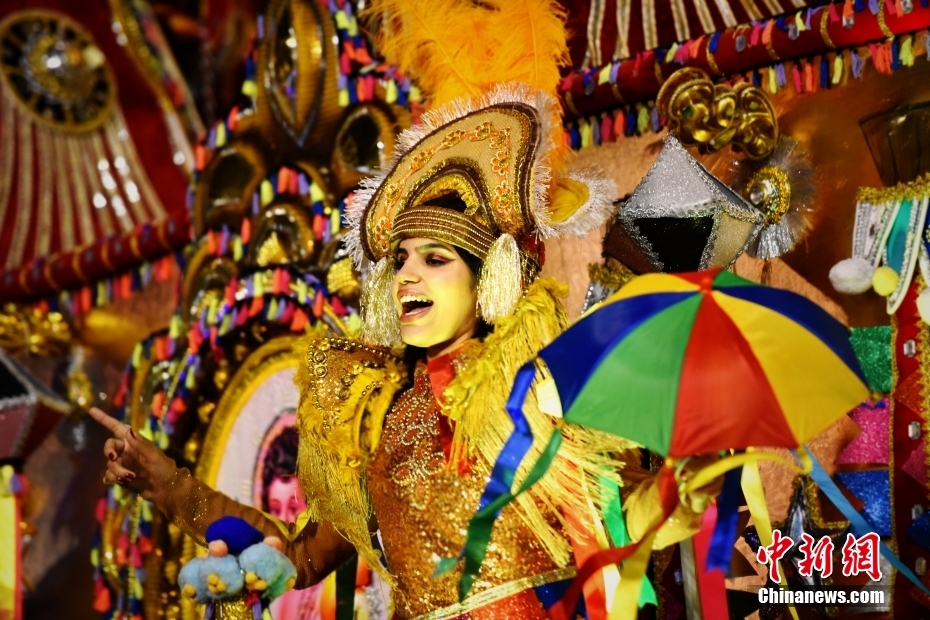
[[414, 306]]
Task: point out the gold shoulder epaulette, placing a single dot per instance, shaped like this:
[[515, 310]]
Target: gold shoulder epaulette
[[351, 387], [346, 390]]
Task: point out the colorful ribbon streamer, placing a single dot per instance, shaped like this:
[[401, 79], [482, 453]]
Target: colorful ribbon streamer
[[619, 536], [721, 544], [711, 585], [498, 493]]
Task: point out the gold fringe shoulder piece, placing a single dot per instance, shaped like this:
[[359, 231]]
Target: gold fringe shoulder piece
[[346, 390], [463, 48], [476, 400]]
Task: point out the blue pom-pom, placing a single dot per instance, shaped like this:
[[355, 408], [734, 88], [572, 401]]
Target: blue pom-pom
[[221, 576], [192, 586], [283, 583], [236, 533], [263, 566]]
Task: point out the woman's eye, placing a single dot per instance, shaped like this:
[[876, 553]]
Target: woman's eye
[[398, 264], [436, 260]]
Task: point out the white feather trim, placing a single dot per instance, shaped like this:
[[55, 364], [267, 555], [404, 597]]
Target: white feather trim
[[602, 191]]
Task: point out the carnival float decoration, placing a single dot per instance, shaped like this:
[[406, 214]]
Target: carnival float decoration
[[71, 166], [794, 54], [682, 218], [781, 187], [29, 411], [267, 202]]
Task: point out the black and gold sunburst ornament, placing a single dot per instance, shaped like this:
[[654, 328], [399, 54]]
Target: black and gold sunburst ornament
[[781, 187], [55, 70]]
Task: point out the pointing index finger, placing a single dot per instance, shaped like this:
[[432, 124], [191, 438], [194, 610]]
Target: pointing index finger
[[110, 423]]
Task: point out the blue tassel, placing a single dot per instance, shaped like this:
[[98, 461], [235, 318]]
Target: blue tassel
[[574, 137]]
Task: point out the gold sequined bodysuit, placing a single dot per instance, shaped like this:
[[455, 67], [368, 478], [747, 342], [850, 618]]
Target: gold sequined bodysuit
[[424, 503]]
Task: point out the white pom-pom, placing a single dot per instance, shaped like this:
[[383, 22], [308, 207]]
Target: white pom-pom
[[852, 276], [923, 305]]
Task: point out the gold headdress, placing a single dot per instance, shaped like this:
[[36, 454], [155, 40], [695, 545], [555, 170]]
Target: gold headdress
[[493, 139]]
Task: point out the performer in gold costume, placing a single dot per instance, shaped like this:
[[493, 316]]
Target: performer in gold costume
[[401, 440]]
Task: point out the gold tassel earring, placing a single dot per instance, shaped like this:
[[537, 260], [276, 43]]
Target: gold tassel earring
[[500, 286], [380, 323]]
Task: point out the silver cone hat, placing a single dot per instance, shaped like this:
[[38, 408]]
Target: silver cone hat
[[684, 218]]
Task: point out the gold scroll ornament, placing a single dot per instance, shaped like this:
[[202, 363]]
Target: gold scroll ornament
[[713, 116]]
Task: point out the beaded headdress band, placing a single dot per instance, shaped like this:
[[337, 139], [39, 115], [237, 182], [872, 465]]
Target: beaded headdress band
[[443, 225]]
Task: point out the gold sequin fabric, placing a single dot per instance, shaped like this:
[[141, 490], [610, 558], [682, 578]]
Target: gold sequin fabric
[[423, 506]]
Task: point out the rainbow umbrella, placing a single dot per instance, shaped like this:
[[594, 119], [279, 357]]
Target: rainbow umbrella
[[684, 364], [692, 363]]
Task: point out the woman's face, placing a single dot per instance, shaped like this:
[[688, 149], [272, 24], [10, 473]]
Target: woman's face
[[285, 501], [435, 294]]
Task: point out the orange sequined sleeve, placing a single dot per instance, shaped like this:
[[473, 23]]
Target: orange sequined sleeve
[[316, 550]]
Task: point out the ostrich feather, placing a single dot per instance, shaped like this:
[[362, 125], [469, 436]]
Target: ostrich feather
[[456, 48]]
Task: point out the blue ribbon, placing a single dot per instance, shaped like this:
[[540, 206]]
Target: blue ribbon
[[721, 543], [857, 523], [517, 445]]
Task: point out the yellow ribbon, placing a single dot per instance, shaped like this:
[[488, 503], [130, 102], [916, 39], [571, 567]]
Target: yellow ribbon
[[706, 475], [626, 596], [755, 499]]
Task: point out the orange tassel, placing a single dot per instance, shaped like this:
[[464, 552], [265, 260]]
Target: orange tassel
[[299, 321], [102, 601]]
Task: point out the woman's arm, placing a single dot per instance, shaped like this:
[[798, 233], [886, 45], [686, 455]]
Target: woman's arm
[[316, 550], [140, 466]]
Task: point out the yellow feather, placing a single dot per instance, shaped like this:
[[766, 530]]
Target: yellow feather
[[456, 48]]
